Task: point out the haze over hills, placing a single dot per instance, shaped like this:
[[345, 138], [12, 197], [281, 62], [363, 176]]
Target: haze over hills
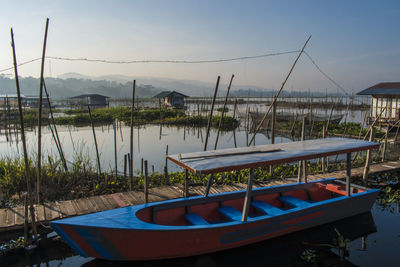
[[120, 86]]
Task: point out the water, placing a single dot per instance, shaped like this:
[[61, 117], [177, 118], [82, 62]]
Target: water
[[150, 142], [381, 231]]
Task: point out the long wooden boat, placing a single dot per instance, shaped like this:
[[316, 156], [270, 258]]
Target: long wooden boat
[[204, 224]]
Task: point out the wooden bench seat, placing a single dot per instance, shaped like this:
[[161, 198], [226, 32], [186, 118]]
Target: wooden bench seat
[[267, 208], [230, 213], [294, 201], [195, 219]]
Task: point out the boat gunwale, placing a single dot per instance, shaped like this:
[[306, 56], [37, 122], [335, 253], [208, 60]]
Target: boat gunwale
[[141, 225]]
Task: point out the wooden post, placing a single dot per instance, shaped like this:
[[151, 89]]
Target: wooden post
[[141, 169], [39, 163], [385, 144], [57, 138], [211, 113], [294, 123], [223, 112], [301, 162], [186, 184], [166, 167], [115, 148], [368, 158], [348, 173], [132, 141], [26, 160], [273, 120], [247, 198], [95, 141], [26, 225], [125, 163], [208, 186], [146, 182]]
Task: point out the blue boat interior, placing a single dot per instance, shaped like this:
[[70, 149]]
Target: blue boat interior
[[227, 207]]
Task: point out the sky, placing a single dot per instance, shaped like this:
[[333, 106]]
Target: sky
[[356, 43]]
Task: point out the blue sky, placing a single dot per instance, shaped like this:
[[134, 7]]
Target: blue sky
[[356, 42]]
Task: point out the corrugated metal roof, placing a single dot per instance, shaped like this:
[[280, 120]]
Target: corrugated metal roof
[[89, 95], [167, 93], [390, 88]]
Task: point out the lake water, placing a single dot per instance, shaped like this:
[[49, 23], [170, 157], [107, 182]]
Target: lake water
[[150, 142]]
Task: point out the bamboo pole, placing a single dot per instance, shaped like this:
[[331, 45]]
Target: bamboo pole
[[301, 162], [368, 159], [115, 148], [26, 160], [280, 90], [186, 184], [146, 182], [95, 141], [223, 112], [39, 163], [57, 138], [211, 113], [132, 141], [166, 167], [273, 120], [323, 158]]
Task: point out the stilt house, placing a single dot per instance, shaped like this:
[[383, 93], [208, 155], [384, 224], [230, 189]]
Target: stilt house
[[385, 102]]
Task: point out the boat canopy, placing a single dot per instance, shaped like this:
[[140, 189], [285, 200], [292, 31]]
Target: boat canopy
[[263, 155]]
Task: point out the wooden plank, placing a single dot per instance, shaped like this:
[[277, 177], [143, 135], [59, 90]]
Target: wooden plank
[[106, 202], [39, 213], [19, 215], [78, 209], [99, 203], [50, 211], [90, 206], [62, 209], [9, 217], [68, 208], [137, 196], [128, 198]]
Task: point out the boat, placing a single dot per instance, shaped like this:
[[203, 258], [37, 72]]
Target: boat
[[214, 222]]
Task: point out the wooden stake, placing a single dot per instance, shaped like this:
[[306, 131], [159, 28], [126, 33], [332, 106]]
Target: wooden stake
[[166, 167], [115, 148], [95, 141], [26, 160], [57, 138], [186, 185], [368, 159], [302, 162], [39, 163], [211, 113], [223, 112], [146, 182], [131, 141]]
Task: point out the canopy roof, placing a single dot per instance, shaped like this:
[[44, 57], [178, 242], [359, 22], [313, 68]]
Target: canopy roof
[[391, 88], [257, 156]]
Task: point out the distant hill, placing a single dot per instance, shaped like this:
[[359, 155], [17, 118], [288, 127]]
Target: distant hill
[[120, 86]]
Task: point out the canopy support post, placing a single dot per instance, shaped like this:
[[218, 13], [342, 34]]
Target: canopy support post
[[348, 173], [247, 198], [209, 182]]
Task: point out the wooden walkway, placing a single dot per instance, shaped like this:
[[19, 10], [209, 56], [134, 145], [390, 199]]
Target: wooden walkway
[[12, 219]]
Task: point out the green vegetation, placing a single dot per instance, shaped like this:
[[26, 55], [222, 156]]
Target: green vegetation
[[82, 179]]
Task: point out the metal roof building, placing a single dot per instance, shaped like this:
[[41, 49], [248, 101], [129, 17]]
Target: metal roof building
[[172, 98], [385, 101]]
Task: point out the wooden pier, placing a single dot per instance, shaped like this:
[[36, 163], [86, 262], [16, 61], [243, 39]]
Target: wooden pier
[[12, 219]]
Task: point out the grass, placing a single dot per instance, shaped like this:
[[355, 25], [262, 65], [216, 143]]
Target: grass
[[82, 179]]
